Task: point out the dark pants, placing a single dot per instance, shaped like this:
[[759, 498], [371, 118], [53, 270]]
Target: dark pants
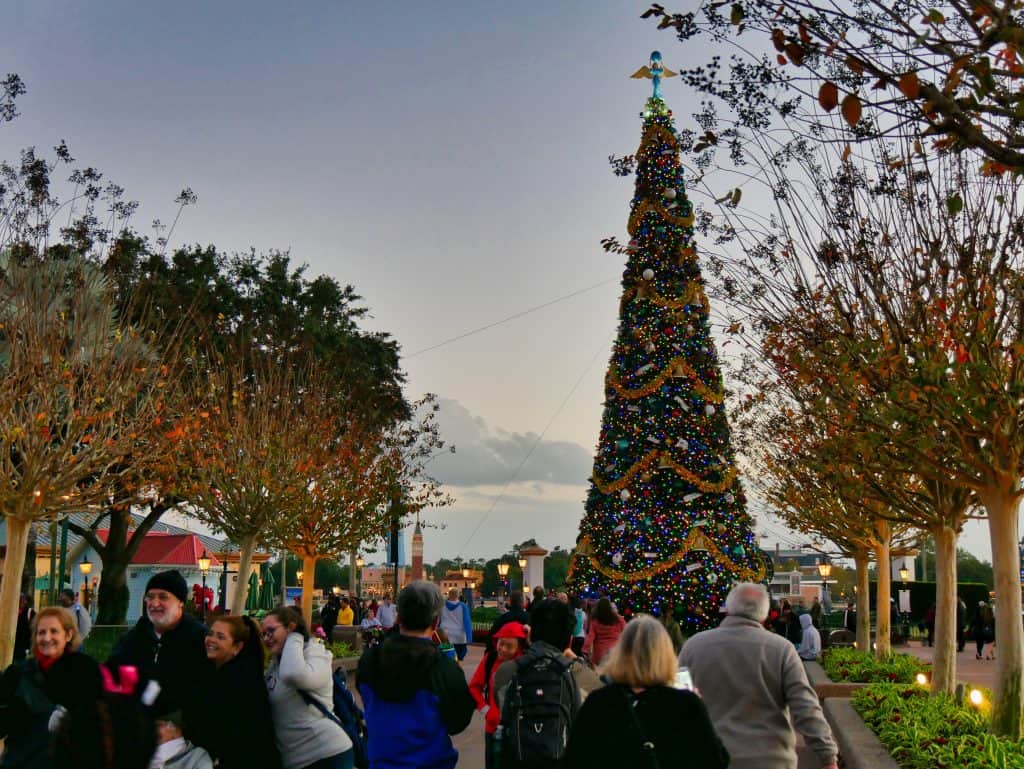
[[490, 757], [340, 761], [960, 640], [577, 645], [460, 651]]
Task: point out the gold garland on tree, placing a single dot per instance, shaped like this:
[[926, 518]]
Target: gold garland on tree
[[677, 367], [669, 464], [695, 540]]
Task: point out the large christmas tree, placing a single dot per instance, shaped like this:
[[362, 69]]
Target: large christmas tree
[[665, 521]]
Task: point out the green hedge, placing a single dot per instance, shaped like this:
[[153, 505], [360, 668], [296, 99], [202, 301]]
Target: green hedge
[[926, 732], [484, 614], [853, 666]]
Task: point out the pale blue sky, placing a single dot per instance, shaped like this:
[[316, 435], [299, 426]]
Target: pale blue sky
[[447, 159]]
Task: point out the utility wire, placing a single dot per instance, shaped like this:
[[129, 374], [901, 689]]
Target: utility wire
[[511, 317], [536, 443]]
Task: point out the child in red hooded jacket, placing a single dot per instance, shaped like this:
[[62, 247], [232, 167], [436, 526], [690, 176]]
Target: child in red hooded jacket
[[510, 643]]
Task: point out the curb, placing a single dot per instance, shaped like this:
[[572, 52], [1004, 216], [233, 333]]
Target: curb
[[859, 748], [824, 686]]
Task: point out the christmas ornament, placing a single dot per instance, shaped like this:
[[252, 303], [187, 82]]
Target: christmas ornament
[[648, 274], [669, 193], [624, 495]]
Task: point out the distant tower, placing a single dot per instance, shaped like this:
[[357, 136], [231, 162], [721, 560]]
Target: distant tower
[[417, 552]]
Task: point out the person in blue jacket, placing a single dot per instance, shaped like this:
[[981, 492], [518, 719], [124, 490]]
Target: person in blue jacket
[[457, 623], [414, 696]]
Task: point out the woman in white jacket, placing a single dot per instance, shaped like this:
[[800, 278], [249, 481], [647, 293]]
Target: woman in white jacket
[[306, 737]]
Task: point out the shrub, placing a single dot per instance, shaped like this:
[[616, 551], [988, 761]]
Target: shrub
[[341, 649], [855, 666], [922, 731], [485, 614]]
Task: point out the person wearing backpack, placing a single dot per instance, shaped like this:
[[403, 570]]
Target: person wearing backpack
[[541, 692], [415, 696], [510, 643], [298, 678], [657, 726]]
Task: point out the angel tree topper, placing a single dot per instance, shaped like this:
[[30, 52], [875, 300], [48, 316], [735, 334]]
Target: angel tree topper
[[655, 71]]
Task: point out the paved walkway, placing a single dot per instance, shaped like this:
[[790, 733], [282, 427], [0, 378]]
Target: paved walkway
[[968, 669]]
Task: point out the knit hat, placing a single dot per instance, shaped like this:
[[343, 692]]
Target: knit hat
[[511, 630], [171, 581]]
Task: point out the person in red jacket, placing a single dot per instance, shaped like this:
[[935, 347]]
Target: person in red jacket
[[510, 643], [605, 628]]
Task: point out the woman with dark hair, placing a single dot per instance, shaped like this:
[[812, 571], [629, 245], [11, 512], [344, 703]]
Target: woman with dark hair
[[654, 724], [298, 677], [238, 731], [31, 690], [605, 628]]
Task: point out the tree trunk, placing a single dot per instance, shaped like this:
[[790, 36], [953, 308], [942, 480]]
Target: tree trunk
[[860, 561], [308, 580], [883, 594], [353, 575], [944, 656], [1001, 506], [113, 596], [247, 547], [10, 586]]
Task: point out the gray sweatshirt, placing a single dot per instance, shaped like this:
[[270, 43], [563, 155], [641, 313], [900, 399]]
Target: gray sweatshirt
[[756, 692], [304, 734]]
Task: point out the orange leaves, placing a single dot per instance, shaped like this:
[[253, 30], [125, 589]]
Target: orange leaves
[[910, 85], [828, 96], [851, 109]]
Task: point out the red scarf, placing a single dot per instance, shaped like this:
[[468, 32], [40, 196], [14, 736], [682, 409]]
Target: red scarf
[[45, 663]]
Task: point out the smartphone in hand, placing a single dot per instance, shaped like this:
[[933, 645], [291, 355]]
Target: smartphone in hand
[[683, 679]]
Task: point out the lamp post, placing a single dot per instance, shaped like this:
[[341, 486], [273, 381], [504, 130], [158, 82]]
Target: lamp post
[[904, 576], [503, 573], [522, 572], [85, 567], [204, 568], [825, 570], [360, 563]]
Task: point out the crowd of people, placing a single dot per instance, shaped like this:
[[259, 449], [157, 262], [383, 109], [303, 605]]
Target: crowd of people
[[563, 683]]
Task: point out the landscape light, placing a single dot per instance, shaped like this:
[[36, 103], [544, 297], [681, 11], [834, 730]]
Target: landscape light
[[975, 697], [922, 679]]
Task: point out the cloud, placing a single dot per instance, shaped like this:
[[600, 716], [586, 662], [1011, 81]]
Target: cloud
[[487, 456]]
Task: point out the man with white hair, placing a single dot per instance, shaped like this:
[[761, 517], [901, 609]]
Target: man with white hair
[[755, 688]]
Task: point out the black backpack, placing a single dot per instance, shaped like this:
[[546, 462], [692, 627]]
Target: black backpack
[[540, 704], [347, 715]]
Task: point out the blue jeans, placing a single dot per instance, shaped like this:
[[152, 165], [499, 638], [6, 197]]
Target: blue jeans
[[340, 761]]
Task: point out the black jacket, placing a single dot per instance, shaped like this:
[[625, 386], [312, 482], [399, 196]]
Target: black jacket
[[237, 728], [676, 721], [27, 700], [177, 661], [512, 615]]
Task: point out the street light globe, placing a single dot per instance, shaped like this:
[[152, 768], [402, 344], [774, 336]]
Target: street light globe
[[204, 562], [85, 566], [824, 569], [298, 576], [465, 573], [503, 569], [336, 590], [904, 573], [522, 564], [360, 563]]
